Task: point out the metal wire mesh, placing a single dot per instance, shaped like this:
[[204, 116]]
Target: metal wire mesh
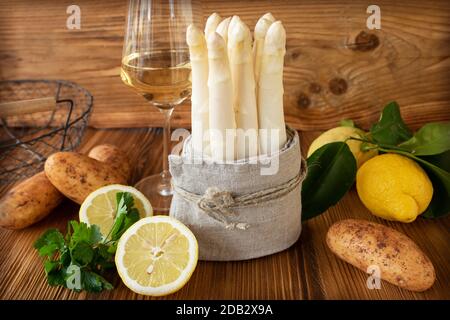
[[27, 140]]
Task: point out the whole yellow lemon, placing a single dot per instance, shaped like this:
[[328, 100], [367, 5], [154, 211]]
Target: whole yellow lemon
[[394, 187], [341, 134]]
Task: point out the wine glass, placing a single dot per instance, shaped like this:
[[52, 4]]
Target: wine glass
[[155, 63]]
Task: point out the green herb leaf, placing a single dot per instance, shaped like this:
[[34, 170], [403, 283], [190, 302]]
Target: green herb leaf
[[82, 253], [131, 218], [50, 266], [64, 257], [50, 242], [93, 282], [113, 247], [432, 138], [78, 260], [126, 215], [69, 258], [331, 173], [347, 123], [84, 233], [105, 256], [390, 129], [56, 277]]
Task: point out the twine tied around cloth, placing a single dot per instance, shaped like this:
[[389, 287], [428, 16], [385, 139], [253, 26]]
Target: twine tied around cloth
[[219, 204]]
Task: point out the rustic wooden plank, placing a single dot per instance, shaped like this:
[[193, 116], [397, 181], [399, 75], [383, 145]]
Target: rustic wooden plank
[[307, 270], [410, 64]]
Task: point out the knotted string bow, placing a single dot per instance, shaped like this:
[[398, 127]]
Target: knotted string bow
[[219, 204]]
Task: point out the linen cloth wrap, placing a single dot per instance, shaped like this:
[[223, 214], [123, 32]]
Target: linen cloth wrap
[[272, 226]]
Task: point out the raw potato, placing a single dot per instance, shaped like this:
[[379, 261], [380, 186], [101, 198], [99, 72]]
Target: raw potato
[[113, 156], [76, 175], [363, 243], [34, 198], [28, 202]]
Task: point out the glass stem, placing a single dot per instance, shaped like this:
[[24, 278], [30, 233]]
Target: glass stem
[[165, 188]]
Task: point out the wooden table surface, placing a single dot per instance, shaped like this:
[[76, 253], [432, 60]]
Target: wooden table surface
[[307, 270], [329, 75], [330, 72]]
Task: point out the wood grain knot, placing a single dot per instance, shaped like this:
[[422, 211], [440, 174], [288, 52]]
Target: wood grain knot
[[303, 100], [314, 87], [338, 86], [365, 41], [148, 96], [295, 54]]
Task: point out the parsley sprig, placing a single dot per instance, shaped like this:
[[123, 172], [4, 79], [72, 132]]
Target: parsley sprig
[[79, 259]]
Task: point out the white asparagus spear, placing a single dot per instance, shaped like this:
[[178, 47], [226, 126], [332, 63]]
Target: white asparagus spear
[[233, 21], [241, 66], [261, 28], [221, 113], [222, 28], [211, 24], [199, 110], [269, 16], [270, 93]]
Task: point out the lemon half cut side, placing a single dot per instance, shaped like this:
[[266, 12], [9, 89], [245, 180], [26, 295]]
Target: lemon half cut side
[[156, 256], [100, 206]]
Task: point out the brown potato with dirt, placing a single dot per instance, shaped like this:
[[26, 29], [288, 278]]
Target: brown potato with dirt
[[34, 198], [76, 175], [113, 156], [28, 202], [363, 244]]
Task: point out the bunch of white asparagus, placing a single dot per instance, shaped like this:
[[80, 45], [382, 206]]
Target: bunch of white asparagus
[[237, 87]]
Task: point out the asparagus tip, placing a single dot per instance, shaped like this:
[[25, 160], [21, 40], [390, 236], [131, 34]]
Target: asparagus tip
[[261, 27], [268, 16], [240, 32], [222, 28], [233, 21], [193, 35], [211, 23], [276, 35]]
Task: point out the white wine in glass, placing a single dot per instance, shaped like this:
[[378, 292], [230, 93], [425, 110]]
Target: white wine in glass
[[152, 75], [155, 63]]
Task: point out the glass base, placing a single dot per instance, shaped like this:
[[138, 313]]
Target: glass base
[[158, 190]]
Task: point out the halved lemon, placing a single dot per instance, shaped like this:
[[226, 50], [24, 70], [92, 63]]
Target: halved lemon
[[156, 256], [100, 206]]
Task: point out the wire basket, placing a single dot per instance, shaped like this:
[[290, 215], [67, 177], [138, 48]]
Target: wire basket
[[27, 140]]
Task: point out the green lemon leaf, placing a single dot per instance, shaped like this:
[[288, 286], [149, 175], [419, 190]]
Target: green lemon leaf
[[438, 169], [390, 129], [439, 173], [440, 203], [432, 138], [331, 173], [441, 160]]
